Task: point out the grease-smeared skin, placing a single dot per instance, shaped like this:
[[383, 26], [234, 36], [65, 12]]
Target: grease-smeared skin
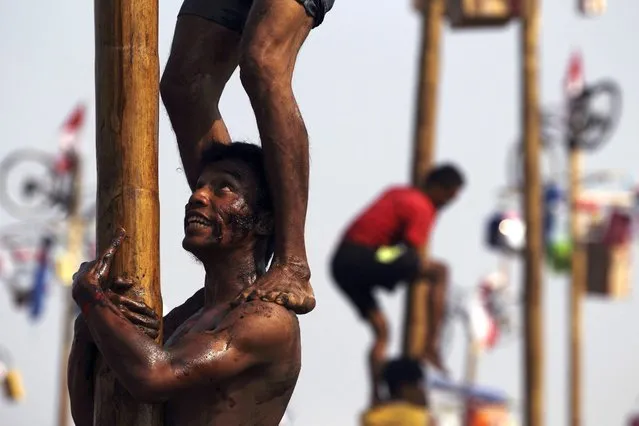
[[221, 366], [80, 372], [253, 393], [218, 365], [203, 57], [80, 376]]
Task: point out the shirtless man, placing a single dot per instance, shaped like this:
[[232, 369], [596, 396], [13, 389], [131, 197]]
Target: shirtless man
[[263, 37], [219, 365]]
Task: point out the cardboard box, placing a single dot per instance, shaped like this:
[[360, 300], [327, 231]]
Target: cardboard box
[[608, 270], [609, 256], [479, 13]]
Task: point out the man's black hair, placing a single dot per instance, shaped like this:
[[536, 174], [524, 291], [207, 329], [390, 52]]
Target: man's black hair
[[446, 176], [253, 156], [400, 372]]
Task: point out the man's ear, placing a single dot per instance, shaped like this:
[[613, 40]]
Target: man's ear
[[264, 224]]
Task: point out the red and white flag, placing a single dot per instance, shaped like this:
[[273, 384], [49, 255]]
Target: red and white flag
[[484, 326], [69, 133], [574, 82]]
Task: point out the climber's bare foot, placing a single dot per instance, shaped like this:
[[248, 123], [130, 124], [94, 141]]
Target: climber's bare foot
[[285, 283]]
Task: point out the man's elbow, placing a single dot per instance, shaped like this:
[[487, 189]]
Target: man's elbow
[[148, 387]]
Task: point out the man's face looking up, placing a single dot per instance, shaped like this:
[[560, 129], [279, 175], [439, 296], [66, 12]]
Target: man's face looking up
[[222, 211]]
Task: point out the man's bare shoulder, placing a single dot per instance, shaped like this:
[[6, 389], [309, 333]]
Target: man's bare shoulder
[[263, 326]]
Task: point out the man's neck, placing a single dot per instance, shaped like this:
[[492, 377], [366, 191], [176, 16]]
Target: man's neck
[[227, 274], [429, 196]]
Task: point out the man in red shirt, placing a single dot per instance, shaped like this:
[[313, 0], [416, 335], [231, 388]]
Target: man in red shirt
[[380, 249]]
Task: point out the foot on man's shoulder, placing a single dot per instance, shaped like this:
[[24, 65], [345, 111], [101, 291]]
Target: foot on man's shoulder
[[286, 283]]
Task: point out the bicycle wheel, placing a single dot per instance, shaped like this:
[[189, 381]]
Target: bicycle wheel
[[26, 182], [595, 124]]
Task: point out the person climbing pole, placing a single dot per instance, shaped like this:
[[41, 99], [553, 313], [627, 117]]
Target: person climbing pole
[[218, 364], [263, 37], [381, 248]]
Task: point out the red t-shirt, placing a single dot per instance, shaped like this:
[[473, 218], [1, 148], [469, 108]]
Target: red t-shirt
[[401, 214]]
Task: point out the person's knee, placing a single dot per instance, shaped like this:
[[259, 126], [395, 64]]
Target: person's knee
[[444, 273], [191, 102], [171, 89], [203, 56], [264, 68], [439, 271], [184, 89]]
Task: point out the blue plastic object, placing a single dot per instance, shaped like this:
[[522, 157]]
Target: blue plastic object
[[485, 394], [553, 195], [40, 280]]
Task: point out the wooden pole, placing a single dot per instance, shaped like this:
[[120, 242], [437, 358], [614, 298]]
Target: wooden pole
[[415, 320], [577, 287], [63, 395], [473, 352], [127, 108], [74, 250], [533, 353]]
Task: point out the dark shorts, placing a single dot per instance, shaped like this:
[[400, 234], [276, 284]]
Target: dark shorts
[[232, 14], [357, 271]]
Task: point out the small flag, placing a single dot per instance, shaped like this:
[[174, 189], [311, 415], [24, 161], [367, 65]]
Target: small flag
[[71, 128], [574, 83]]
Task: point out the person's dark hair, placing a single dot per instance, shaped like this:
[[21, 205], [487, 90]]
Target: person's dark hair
[[446, 176], [254, 157], [400, 372]]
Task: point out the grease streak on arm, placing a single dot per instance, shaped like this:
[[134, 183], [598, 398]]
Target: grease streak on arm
[[245, 338]]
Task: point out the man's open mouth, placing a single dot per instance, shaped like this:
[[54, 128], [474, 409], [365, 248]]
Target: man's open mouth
[[197, 221]]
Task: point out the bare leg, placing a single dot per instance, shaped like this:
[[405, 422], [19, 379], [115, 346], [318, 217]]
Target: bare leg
[[203, 57], [437, 274], [377, 354], [274, 33]]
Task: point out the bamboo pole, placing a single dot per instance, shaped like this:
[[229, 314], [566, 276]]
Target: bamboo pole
[[127, 108], [415, 320], [533, 353], [63, 398], [74, 249], [577, 288], [473, 352]]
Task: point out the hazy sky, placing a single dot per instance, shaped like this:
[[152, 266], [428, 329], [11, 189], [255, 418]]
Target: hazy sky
[[355, 86]]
